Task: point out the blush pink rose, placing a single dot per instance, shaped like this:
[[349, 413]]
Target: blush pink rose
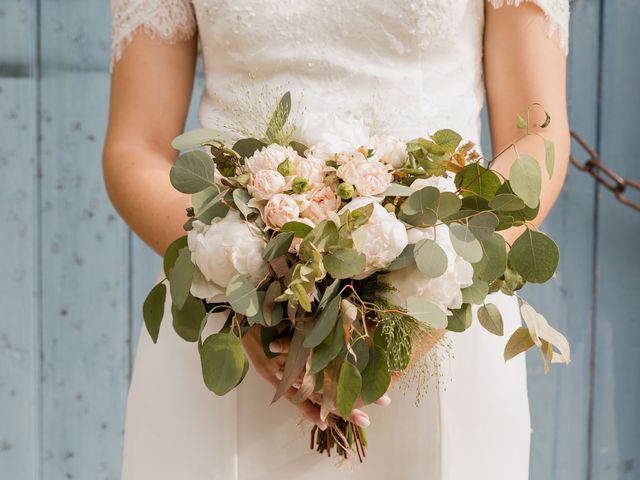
[[280, 209], [264, 184], [322, 200]]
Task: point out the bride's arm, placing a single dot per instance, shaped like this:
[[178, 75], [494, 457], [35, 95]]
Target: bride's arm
[[151, 88], [523, 66]]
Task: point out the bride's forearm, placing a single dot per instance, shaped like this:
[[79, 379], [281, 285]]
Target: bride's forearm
[[137, 180]]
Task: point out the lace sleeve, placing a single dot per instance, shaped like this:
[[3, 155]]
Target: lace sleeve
[[556, 13], [167, 20]]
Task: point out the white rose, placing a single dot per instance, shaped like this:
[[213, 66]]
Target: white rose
[[390, 150], [444, 184], [280, 209], [269, 157], [264, 184], [327, 135], [381, 239], [311, 168], [322, 200], [445, 290], [222, 250], [369, 177]]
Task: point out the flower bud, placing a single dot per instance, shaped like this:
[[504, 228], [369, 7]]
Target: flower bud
[[287, 168], [300, 185], [390, 207], [345, 191]]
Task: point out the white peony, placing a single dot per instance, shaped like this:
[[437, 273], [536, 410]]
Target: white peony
[[311, 168], [280, 209], [222, 250], [381, 239], [269, 157], [322, 200], [264, 184], [444, 184], [390, 150], [445, 290], [369, 177], [327, 135]]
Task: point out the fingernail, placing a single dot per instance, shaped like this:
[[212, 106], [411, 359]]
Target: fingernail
[[384, 400], [279, 374], [275, 347], [297, 384], [362, 421]]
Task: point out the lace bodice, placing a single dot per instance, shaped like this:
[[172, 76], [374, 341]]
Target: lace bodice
[[416, 65]]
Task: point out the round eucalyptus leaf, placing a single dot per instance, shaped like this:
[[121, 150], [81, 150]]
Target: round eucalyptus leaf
[[243, 296], [460, 319], [525, 179], [181, 276], [476, 293], [171, 254], [188, 319], [490, 318], [192, 172], [478, 180], [153, 310], [196, 138], [426, 312], [430, 258], [506, 202], [404, 259], [534, 256], [344, 262], [465, 242], [483, 225], [494, 259], [223, 362]]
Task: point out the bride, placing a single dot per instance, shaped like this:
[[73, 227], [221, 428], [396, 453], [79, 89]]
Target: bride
[[423, 65]]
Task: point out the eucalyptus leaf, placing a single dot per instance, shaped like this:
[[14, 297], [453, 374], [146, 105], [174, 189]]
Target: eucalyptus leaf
[[447, 139], [344, 262], [327, 350], [299, 229], [494, 259], [242, 296], [278, 245], [188, 319], [397, 190], [296, 359], [330, 292], [375, 377], [426, 312], [192, 172], [430, 258], [323, 235], [272, 311], [349, 385], [241, 199], [534, 256], [403, 260], [539, 329], [460, 319], [476, 179], [196, 138], [153, 310], [180, 277], [203, 199], [526, 179], [246, 147], [465, 242], [324, 323], [216, 210], [171, 254], [490, 318], [506, 202], [223, 362], [520, 341], [476, 293], [483, 225]]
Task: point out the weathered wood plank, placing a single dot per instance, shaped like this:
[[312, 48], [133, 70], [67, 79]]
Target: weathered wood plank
[[85, 255], [616, 421], [19, 340]]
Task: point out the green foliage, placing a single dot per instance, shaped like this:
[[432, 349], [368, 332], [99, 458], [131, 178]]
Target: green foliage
[[242, 296], [171, 254], [327, 350], [180, 277], [526, 179], [278, 245], [196, 138], [476, 179], [376, 377], [278, 119], [349, 385], [426, 312], [299, 229], [246, 147], [403, 260], [465, 242], [324, 323], [223, 362], [192, 172], [430, 258], [534, 256], [506, 202], [460, 319], [188, 319], [483, 225], [476, 293], [490, 318], [344, 262], [153, 310]]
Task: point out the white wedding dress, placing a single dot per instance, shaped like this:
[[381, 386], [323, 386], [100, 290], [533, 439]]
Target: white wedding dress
[[417, 65]]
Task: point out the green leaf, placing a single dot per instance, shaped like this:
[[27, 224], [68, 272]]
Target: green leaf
[[216, 210], [460, 319], [519, 342], [447, 140], [476, 293], [188, 319], [300, 148], [397, 190], [534, 256], [324, 323], [375, 377], [526, 180], [404, 259], [426, 312], [330, 292], [506, 202], [296, 359], [271, 310], [474, 178], [241, 199], [327, 350], [549, 156], [278, 245], [246, 147], [192, 172], [204, 198], [279, 117], [344, 262], [180, 277], [465, 242], [483, 225], [324, 235], [153, 310], [195, 138], [490, 318], [223, 362], [349, 385], [494, 259], [171, 254], [430, 258], [243, 296], [299, 229]]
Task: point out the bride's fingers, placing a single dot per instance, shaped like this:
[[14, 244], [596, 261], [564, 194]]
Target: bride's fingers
[[280, 345], [384, 400], [296, 384], [360, 418], [310, 410]]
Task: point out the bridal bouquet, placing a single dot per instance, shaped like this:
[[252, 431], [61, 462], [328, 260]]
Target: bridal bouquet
[[361, 248]]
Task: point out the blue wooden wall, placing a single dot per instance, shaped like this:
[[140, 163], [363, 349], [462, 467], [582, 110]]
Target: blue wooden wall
[[72, 277]]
